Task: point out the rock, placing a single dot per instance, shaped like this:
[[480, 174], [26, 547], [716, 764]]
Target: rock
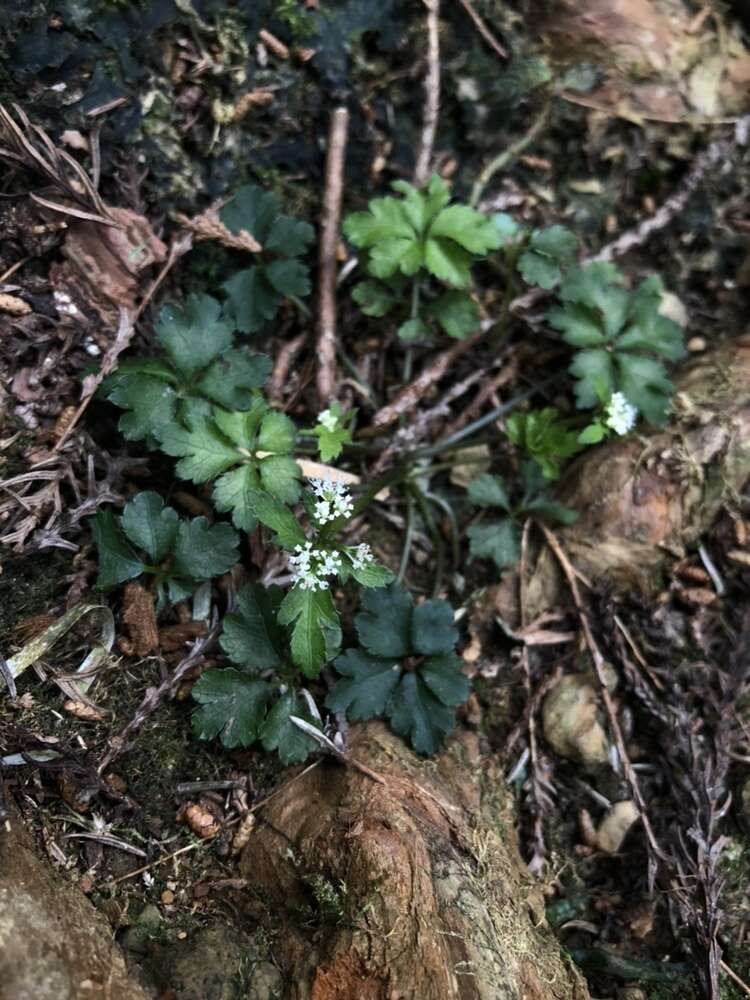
[[216, 963], [53, 943], [616, 825], [572, 727]]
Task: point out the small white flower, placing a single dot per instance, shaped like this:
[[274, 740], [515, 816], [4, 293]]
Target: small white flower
[[361, 556], [328, 419], [148, 879], [333, 500], [310, 566], [621, 415]]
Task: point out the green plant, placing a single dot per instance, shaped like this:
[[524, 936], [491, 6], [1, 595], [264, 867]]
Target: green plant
[[198, 366], [150, 539], [407, 669], [255, 293], [333, 430], [545, 437], [500, 539], [620, 336], [539, 255], [420, 236]]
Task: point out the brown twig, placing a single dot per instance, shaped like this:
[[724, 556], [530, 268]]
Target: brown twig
[[432, 96], [601, 674], [327, 380], [284, 361], [208, 226], [506, 374], [509, 154], [483, 30]]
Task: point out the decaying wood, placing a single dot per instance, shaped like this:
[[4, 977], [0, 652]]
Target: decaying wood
[[414, 886]]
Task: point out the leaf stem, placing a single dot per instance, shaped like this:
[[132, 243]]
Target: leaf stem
[[408, 536]]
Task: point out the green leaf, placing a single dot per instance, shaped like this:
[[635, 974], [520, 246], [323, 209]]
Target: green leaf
[[232, 705], [549, 510], [444, 676], [289, 237], [277, 517], [580, 325], [151, 403], [508, 230], [413, 330], [233, 492], [204, 550], [385, 219], [251, 299], [457, 314], [546, 438], [331, 443], [592, 434], [149, 525], [195, 334], [289, 277], [251, 636], [372, 575], [253, 210], [280, 734], [549, 250], [366, 686], [384, 623], [401, 254], [645, 384], [279, 475], [203, 450], [117, 561], [598, 286], [316, 633], [595, 373], [374, 298], [489, 491], [231, 379], [416, 714], [496, 540], [472, 230], [447, 261], [432, 628], [277, 433], [242, 427]]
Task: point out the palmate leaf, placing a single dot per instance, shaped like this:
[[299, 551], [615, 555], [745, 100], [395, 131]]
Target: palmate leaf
[[202, 449], [232, 705], [496, 540], [374, 298], [150, 526], [316, 633], [366, 686], [193, 334], [150, 403], [548, 251], [384, 623], [204, 550], [251, 299], [457, 313], [546, 437], [489, 491], [415, 713], [117, 560], [231, 379], [258, 212], [279, 733], [251, 635]]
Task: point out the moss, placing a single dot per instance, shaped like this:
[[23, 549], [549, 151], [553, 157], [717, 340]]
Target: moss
[[30, 586]]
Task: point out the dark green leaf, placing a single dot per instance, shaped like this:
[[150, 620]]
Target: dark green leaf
[[231, 379], [489, 491], [457, 313], [549, 510], [204, 550], [252, 300], [279, 475], [366, 685], [416, 714], [233, 492], [251, 636], [203, 450], [117, 561], [232, 705], [151, 403], [149, 525], [497, 540], [432, 628], [289, 237], [443, 675], [316, 632], [277, 517], [413, 330], [384, 623], [280, 734], [253, 210], [374, 298], [289, 277], [645, 384], [195, 334], [277, 433], [595, 374]]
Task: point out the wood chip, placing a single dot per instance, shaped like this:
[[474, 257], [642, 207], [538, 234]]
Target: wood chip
[[200, 820], [13, 305], [139, 615]]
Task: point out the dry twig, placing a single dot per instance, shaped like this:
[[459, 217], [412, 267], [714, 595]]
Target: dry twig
[[208, 226], [483, 30], [327, 380], [432, 96], [284, 361]]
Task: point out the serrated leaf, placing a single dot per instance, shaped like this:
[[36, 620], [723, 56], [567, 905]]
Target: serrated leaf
[[443, 675], [373, 298], [550, 510], [556, 242], [580, 326], [496, 540], [416, 714], [280, 734], [402, 254], [242, 427], [467, 227], [385, 219], [251, 299], [366, 686], [279, 475], [289, 237], [595, 374], [489, 491], [231, 379], [432, 628], [372, 575], [545, 437], [233, 492], [384, 623], [289, 277], [251, 636], [117, 561], [204, 550], [447, 261], [151, 403], [149, 525], [277, 433], [315, 628], [277, 517], [253, 210], [599, 286], [232, 705], [536, 269], [194, 334], [457, 313], [203, 450], [331, 442], [645, 384]]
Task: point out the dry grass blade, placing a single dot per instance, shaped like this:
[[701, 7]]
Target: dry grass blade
[[28, 145]]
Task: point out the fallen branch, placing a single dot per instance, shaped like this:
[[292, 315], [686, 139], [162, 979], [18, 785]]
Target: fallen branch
[[432, 96], [329, 240], [284, 361]]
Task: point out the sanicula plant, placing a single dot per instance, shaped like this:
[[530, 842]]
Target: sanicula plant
[[199, 399]]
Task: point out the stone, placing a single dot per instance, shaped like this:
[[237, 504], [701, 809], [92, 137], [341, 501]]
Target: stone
[[54, 945], [615, 826], [572, 727]]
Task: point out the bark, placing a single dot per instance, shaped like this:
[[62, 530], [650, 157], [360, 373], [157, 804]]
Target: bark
[[412, 888]]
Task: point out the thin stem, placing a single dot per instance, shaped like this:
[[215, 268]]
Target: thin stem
[[408, 536], [449, 513], [434, 533], [508, 155], [416, 288]]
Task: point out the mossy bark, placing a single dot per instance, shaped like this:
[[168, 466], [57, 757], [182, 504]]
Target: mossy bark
[[411, 887]]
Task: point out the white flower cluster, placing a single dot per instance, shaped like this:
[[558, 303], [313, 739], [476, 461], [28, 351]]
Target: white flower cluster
[[328, 419], [311, 566], [621, 415], [361, 556], [333, 500]]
